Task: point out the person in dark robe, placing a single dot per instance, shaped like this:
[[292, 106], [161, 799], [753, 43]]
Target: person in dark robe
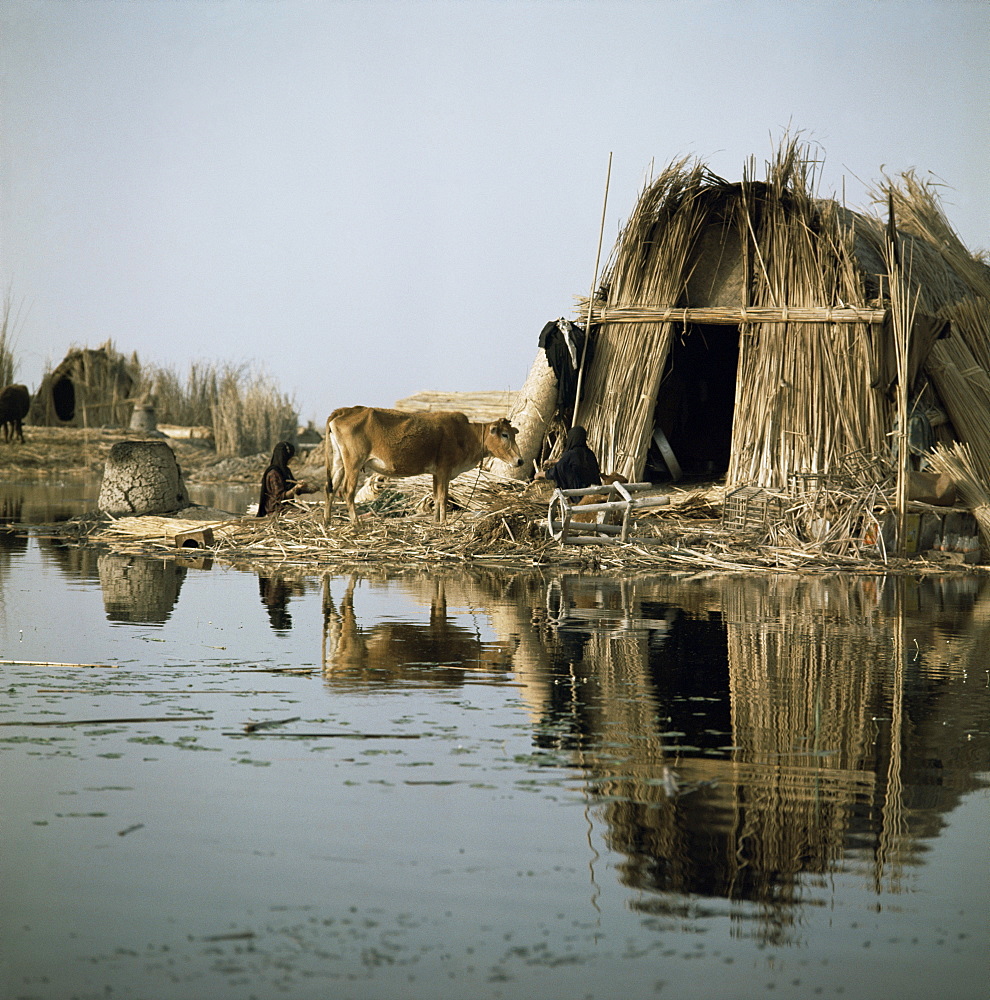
[[278, 484], [578, 467]]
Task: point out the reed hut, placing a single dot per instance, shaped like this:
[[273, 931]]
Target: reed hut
[[747, 329], [91, 387]]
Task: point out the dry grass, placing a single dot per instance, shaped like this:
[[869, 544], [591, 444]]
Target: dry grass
[[245, 408], [820, 534], [250, 415], [8, 329]]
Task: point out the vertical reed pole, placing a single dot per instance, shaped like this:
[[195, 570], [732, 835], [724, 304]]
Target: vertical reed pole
[[591, 297], [902, 319]]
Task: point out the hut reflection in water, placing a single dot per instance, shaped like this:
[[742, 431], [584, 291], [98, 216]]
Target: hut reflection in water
[[737, 737]]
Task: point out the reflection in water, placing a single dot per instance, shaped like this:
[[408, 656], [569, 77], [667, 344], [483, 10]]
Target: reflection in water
[[743, 736], [139, 590], [275, 592], [438, 652], [46, 503], [73, 562], [738, 738]]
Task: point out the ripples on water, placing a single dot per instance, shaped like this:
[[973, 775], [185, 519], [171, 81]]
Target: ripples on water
[[486, 784]]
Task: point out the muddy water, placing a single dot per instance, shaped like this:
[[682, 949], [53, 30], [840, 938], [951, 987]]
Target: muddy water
[[488, 785]]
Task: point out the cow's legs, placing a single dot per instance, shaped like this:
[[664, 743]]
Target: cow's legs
[[329, 454], [440, 498]]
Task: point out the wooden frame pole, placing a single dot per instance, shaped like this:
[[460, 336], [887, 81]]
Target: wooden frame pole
[[591, 297]]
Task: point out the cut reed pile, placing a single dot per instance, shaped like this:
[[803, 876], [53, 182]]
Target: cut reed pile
[[477, 406], [818, 535]]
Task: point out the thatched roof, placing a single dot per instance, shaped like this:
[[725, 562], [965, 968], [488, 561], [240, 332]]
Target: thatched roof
[[91, 387], [776, 303]]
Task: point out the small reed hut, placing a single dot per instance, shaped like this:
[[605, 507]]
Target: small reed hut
[[91, 387], [753, 329]]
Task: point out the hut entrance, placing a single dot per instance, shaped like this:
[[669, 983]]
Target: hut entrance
[[696, 401], [64, 398]]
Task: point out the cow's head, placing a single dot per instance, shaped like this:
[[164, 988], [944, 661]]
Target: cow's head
[[500, 441]]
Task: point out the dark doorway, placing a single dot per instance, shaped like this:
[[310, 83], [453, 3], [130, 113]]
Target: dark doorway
[[696, 401], [64, 398]]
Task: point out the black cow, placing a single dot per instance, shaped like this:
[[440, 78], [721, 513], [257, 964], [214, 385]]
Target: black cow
[[14, 404]]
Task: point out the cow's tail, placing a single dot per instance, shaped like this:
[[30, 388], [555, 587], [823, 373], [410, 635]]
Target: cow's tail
[[328, 453]]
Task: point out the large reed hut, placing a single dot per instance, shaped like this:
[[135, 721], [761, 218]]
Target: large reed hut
[[748, 330], [90, 387]]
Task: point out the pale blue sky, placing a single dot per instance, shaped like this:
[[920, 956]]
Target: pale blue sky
[[368, 199]]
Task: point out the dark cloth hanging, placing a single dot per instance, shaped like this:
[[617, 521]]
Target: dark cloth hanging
[[277, 480], [563, 342], [578, 467]]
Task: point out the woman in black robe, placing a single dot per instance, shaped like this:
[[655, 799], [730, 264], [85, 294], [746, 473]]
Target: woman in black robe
[[577, 468], [278, 484]]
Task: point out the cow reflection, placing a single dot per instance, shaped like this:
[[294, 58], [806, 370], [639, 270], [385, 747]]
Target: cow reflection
[[437, 653]]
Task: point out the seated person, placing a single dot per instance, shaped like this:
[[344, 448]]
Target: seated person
[[578, 467], [278, 484]]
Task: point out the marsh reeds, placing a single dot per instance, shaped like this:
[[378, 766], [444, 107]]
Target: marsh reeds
[[245, 409], [251, 416], [8, 328]]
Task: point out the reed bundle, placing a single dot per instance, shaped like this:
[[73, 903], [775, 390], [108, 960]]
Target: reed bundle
[[963, 385], [477, 406], [649, 267], [970, 319], [804, 396], [970, 476], [919, 212], [151, 527]]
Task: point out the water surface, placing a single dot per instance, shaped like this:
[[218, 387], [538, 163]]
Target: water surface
[[487, 785]]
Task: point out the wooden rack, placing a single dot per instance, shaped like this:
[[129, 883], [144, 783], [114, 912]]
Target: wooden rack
[[619, 498]]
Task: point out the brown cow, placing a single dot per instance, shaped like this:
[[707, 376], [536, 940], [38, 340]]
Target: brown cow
[[394, 443]]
